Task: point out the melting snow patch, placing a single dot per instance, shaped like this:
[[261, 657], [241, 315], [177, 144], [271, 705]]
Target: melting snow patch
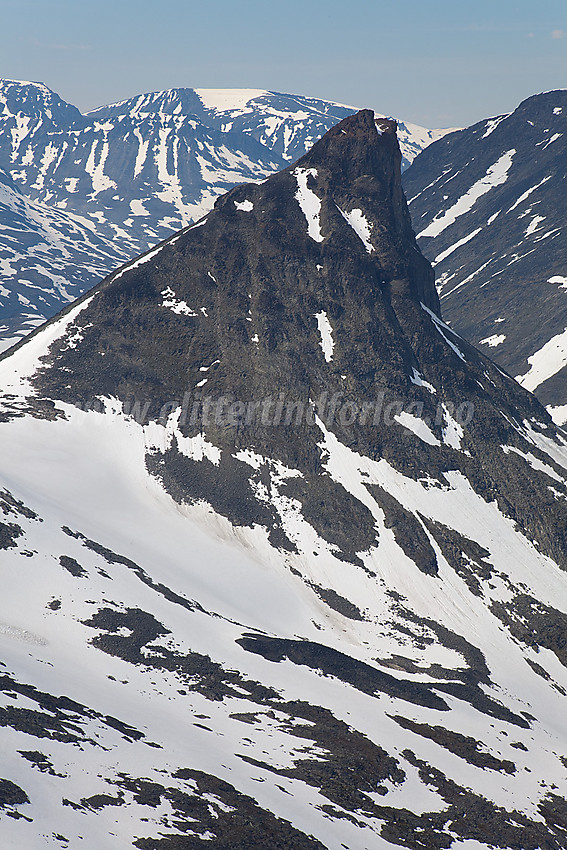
[[206, 368], [494, 340], [534, 224], [558, 414], [549, 141], [444, 254], [244, 206], [360, 225], [418, 427], [535, 463], [495, 176], [417, 379], [181, 308], [309, 202], [492, 124], [525, 195], [549, 360], [326, 330], [198, 448], [556, 448], [138, 208], [452, 432]]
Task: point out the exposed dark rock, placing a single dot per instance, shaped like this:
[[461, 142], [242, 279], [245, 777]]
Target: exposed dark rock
[[58, 718], [72, 566], [41, 762], [196, 671], [407, 530], [236, 821], [334, 663], [337, 602], [11, 794], [253, 284], [9, 533], [535, 624], [350, 766], [465, 556], [113, 558], [10, 505], [463, 746]]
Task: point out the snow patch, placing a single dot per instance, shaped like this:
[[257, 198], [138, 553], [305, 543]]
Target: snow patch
[[417, 379], [360, 225], [327, 342], [418, 427], [228, 100], [309, 202], [441, 327], [448, 251], [492, 124], [546, 362], [496, 175], [535, 463], [558, 413], [559, 280], [494, 340], [181, 308], [452, 432], [534, 224]]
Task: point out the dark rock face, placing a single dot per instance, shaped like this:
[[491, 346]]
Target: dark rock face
[[488, 204], [226, 313]]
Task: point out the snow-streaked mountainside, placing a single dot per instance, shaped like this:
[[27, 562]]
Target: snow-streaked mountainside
[[135, 172], [48, 257], [283, 556], [489, 207]]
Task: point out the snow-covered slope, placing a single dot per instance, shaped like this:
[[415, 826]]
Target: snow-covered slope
[[227, 622], [139, 170], [489, 206]]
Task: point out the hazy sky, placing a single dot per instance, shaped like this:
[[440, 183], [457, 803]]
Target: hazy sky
[[436, 63]]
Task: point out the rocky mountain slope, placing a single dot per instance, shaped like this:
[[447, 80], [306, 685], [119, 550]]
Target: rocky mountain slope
[[283, 555], [489, 206], [126, 176]]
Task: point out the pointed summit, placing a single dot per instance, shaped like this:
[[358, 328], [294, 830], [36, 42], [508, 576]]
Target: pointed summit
[[302, 293]]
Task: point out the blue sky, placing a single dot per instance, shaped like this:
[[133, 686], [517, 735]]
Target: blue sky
[[435, 63]]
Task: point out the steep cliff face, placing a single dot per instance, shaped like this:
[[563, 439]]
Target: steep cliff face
[[293, 548]]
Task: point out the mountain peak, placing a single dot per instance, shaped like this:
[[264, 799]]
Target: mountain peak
[[288, 544]]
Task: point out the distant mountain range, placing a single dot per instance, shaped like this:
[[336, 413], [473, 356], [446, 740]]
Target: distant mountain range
[[489, 206], [80, 194]]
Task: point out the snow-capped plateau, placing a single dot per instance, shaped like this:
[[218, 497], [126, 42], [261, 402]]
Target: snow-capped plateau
[[133, 173], [488, 206], [283, 555]]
